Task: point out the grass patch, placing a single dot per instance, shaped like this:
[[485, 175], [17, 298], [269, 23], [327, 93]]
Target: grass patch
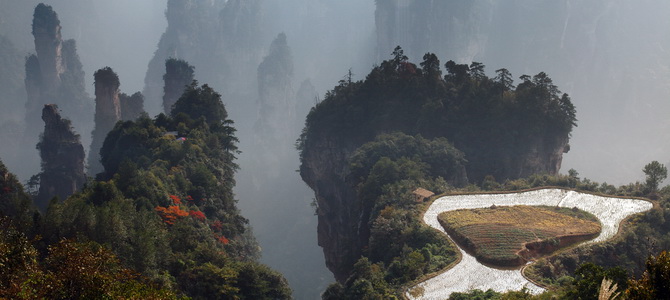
[[509, 236]]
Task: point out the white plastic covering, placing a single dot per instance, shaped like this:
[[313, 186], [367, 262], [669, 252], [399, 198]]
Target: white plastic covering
[[470, 274]]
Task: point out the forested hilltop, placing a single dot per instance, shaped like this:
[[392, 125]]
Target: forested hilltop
[[163, 207], [370, 142]]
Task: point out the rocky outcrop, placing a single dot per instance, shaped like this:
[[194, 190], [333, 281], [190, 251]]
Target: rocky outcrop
[[49, 45], [62, 158], [274, 130], [543, 156], [324, 171], [178, 75], [53, 75], [506, 139], [107, 113], [131, 106], [221, 39]]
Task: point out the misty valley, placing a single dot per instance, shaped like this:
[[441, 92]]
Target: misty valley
[[334, 149]]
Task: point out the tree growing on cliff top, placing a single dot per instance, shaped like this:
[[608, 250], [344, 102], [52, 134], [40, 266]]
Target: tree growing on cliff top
[[201, 102], [656, 173]]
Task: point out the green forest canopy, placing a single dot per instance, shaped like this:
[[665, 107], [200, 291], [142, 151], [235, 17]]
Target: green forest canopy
[[164, 205]]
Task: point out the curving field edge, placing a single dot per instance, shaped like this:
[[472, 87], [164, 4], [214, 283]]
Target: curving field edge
[[469, 274]]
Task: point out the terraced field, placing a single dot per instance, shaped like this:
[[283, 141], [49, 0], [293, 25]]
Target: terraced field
[[469, 274], [508, 236]]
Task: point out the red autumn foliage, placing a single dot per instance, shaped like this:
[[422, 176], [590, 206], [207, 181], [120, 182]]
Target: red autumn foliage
[[198, 215], [190, 199], [223, 239], [175, 199], [171, 213], [216, 225]]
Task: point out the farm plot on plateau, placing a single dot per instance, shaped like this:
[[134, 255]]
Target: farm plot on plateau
[[469, 274]]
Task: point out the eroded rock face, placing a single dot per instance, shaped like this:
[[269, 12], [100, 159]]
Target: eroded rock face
[[62, 158], [545, 156], [107, 113], [339, 215]]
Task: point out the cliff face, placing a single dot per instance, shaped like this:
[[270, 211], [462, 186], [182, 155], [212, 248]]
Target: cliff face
[[544, 156], [107, 113], [339, 212], [62, 158]]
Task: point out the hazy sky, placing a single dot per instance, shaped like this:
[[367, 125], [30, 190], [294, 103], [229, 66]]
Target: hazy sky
[[122, 34]]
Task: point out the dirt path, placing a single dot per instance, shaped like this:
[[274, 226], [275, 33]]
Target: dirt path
[[470, 274]]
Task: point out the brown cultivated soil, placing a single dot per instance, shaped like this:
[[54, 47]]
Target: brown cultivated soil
[[509, 236]]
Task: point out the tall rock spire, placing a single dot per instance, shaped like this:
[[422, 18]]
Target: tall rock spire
[[107, 113], [62, 158], [53, 75], [178, 75], [49, 45], [276, 105]]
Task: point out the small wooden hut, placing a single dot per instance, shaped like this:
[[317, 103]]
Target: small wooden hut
[[421, 194]]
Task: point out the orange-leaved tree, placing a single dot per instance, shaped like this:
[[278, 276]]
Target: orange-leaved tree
[[171, 213]]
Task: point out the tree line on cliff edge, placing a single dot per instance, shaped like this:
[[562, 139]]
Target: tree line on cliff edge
[[496, 124]]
